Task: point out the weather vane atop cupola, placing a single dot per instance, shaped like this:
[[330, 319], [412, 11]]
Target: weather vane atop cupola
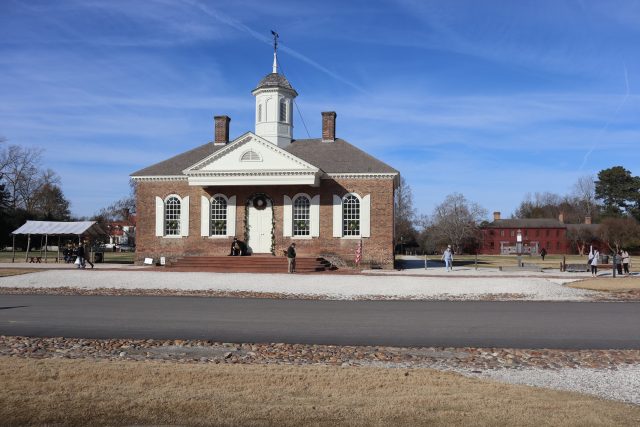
[[275, 51]]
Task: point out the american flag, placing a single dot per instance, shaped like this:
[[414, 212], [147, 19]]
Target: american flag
[[359, 253]]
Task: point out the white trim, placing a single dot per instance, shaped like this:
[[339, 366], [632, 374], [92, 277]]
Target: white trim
[[302, 237], [337, 216], [360, 175], [287, 217], [205, 216], [293, 200], [237, 143], [352, 236], [254, 178], [365, 216], [159, 217], [159, 178], [231, 216], [184, 216], [314, 216]]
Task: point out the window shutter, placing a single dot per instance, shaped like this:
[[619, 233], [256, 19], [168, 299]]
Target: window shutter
[[159, 217], [314, 213], [205, 216], [287, 217], [337, 216], [365, 216], [231, 216], [184, 216]]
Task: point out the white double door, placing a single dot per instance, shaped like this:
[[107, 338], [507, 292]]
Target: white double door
[[260, 223]]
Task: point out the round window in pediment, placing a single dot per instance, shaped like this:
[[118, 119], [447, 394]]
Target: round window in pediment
[[250, 156]]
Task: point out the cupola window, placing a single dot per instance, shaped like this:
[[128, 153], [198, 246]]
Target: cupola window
[[283, 111]]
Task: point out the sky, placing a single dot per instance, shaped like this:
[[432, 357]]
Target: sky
[[492, 99]]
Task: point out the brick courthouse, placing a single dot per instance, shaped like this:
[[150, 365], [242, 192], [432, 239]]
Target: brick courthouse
[[269, 190]]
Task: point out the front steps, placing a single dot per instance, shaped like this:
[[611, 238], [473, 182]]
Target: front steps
[[248, 264]]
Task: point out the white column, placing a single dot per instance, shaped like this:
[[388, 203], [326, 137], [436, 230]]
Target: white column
[[365, 216]]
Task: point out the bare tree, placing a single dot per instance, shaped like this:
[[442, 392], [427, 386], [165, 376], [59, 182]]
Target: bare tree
[[619, 233], [456, 220], [584, 192], [20, 171], [580, 237], [405, 214]]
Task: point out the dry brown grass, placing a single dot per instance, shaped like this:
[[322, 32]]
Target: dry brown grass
[[13, 271], [54, 391], [619, 284]]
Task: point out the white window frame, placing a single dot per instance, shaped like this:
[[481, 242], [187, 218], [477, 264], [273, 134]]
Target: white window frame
[[293, 217], [364, 216], [183, 219], [226, 215]]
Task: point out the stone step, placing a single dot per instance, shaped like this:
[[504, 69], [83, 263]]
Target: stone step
[[266, 264]]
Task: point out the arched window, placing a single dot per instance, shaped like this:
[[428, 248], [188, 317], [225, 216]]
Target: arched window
[[218, 216], [172, 216], [301, 217], [250, 156], [350, 215], [283, 111], [260, 113]]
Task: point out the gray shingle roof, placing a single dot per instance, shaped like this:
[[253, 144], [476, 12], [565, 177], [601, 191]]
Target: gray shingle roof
[[275, 80], [176, 164], [527, 223], [337, 157], [331, 157]]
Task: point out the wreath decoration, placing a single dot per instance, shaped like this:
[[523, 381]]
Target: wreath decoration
[[259, 202]]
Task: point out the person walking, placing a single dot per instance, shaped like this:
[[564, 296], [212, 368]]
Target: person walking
[[617, 260], [447, 256], [291, 258], [543, 253], [80, 256], [625, 261], [593, 261]]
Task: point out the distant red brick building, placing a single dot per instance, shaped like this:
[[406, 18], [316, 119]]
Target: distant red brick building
[[500, 236]]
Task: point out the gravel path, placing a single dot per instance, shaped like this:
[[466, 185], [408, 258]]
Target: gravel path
[[621, 383], [333, 286]]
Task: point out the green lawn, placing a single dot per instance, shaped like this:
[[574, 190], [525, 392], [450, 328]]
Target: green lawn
[[109, 257]]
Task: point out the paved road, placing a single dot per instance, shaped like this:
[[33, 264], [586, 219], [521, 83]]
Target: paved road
[[394, 323]]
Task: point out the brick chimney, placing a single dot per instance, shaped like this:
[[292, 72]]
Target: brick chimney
[[496, 216], [329, 126], [561, 217], [221, 130], [587, 220]]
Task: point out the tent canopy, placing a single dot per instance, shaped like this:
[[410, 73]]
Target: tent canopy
[[90, 228]]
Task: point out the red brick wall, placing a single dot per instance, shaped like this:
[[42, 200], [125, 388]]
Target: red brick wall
[[555, 241], [377, 249]]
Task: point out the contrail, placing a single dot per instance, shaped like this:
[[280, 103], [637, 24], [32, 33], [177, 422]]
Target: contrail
[[615, 114], [267, 40]]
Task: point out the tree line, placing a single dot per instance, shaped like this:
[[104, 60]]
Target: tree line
[[611, 199], [30, 191]]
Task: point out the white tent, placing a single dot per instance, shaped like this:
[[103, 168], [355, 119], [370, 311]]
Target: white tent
[[78, 228], [57, 228]]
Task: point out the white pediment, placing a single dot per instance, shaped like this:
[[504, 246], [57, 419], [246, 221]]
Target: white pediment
[[251, 160]]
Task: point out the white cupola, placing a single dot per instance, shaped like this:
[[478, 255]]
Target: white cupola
[[274, 107]]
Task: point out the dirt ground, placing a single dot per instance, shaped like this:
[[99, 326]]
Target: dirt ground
[[80, 392]]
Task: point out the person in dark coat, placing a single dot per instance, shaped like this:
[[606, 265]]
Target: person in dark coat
[[543, 253], [236, 247], [291, 258]]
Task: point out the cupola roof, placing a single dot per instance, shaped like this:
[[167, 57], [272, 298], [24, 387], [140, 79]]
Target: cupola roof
[[274, 80]]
